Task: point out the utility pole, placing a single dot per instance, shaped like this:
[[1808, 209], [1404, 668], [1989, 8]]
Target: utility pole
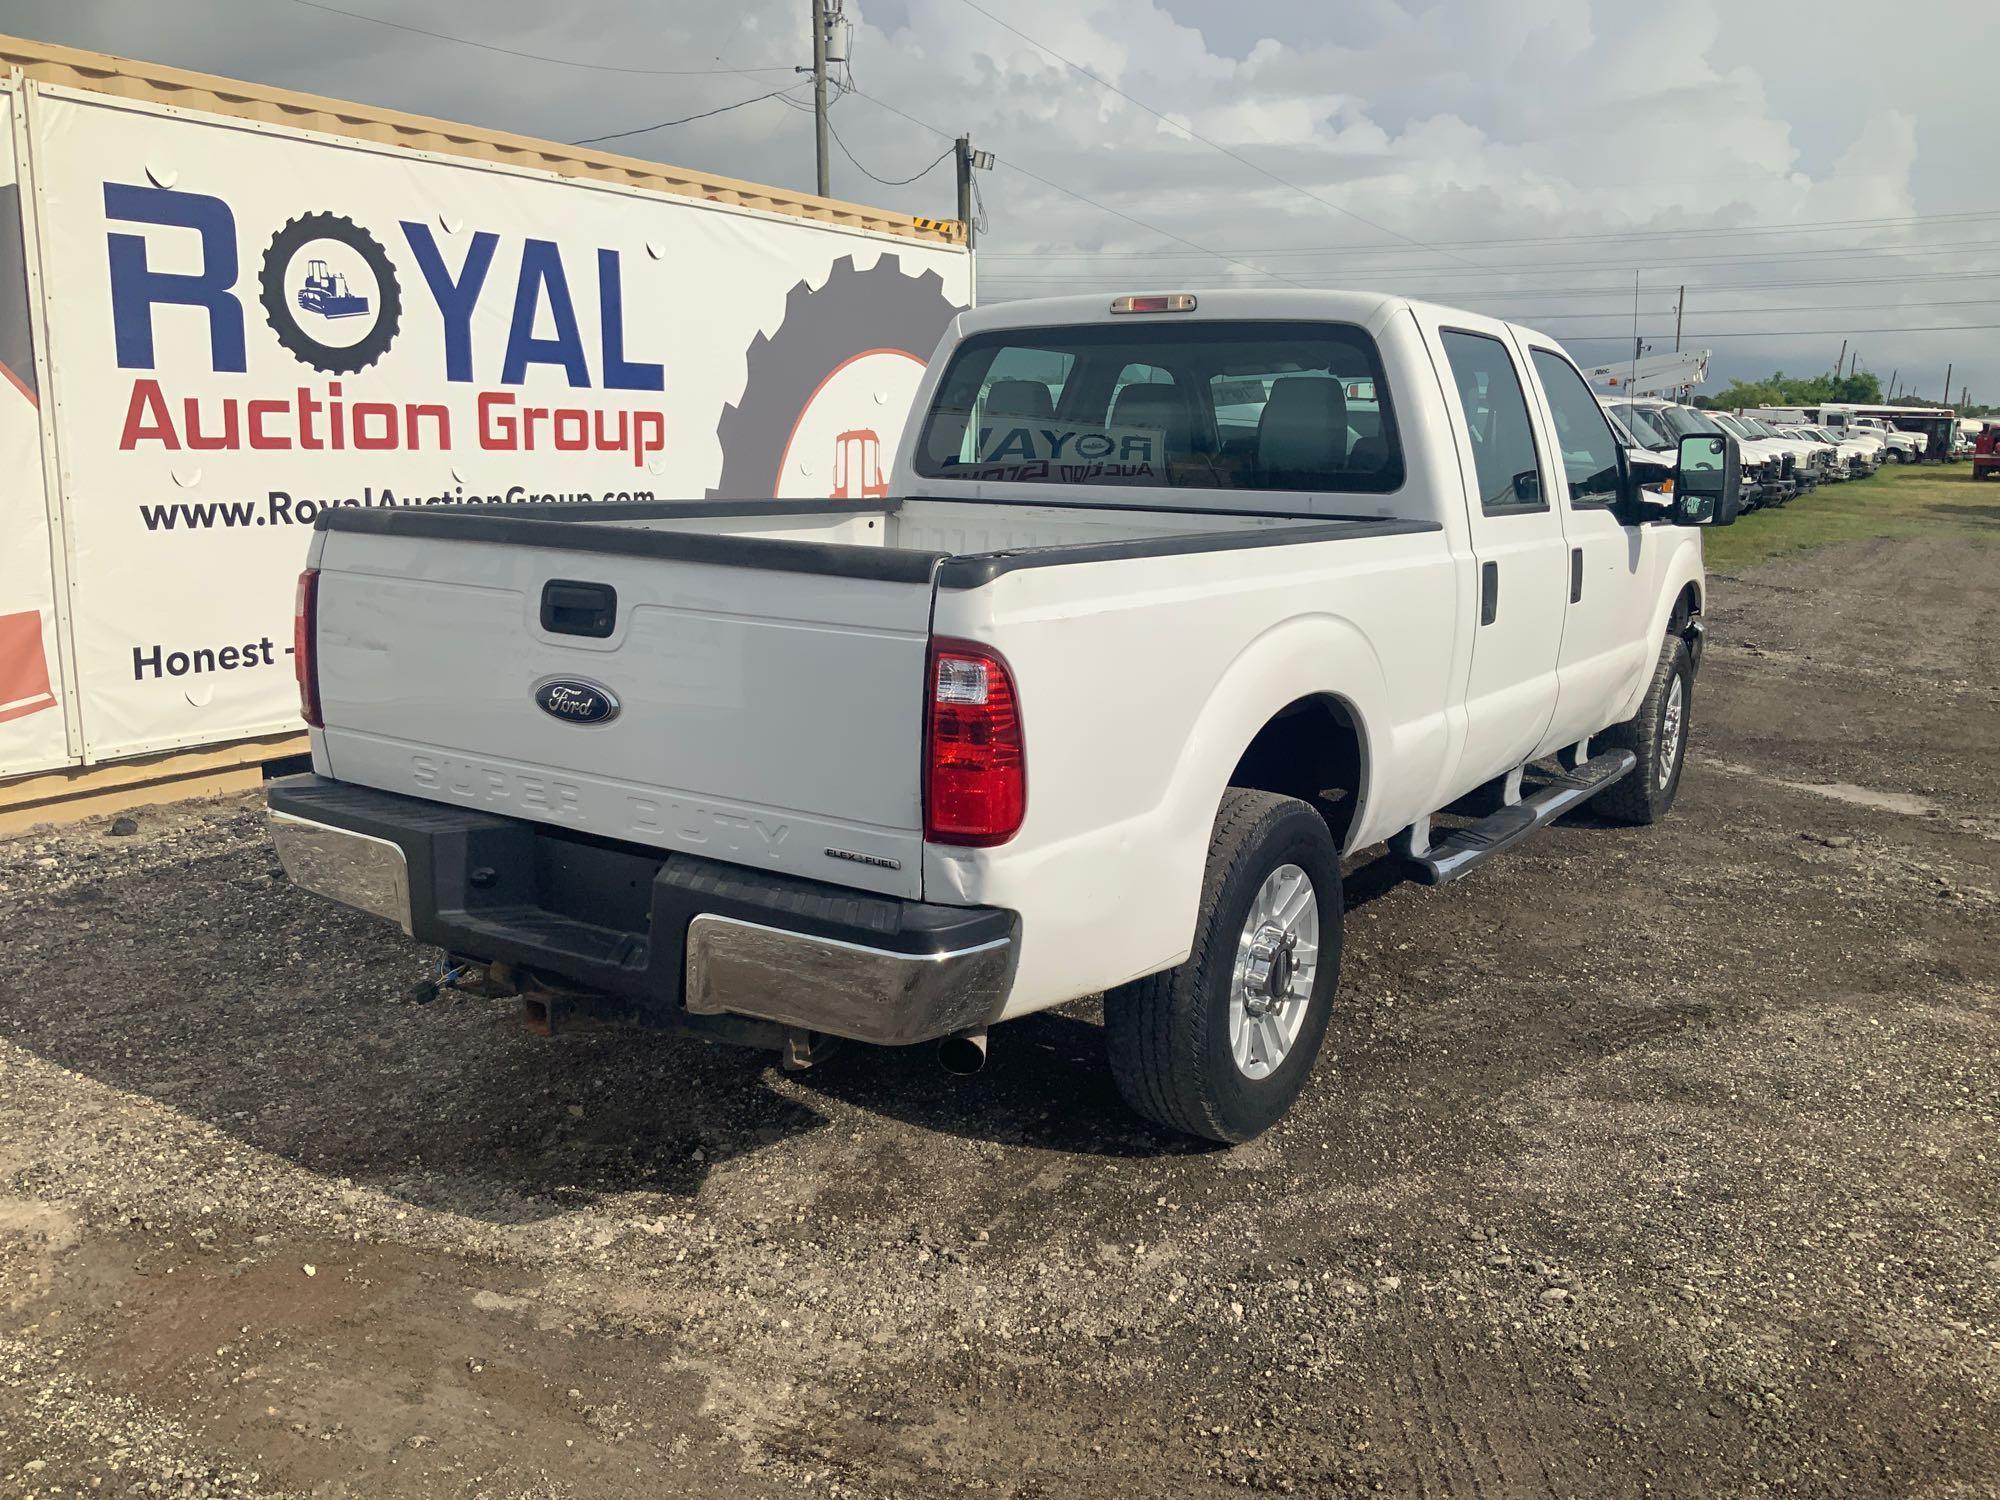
[[1892, 382], [1841, 361], [821, 20], [1679, 303], [1947, 384], [961, 150], [967, 161]]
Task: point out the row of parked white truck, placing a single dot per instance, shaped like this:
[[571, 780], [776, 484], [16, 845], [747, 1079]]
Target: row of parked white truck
[[1786, 452]]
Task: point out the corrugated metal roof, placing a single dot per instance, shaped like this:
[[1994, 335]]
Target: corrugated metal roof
[[150, 82]]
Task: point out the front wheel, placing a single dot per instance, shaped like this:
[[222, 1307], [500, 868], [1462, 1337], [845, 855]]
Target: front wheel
[[1657, 734], [1220, 1046]]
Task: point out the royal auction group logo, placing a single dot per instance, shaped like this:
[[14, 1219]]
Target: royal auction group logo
[[330, 293], [332, 296]]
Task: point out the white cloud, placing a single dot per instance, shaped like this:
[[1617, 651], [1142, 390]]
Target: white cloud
[[1516, 120]]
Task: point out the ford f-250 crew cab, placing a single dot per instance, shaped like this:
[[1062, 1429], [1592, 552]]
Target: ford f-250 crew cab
[[1175, 599]]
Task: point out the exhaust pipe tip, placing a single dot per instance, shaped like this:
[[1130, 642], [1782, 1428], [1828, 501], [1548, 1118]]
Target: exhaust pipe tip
[[963, 1053]]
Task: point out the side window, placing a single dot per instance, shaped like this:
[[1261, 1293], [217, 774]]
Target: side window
[[1496, 414], [1589, 451]]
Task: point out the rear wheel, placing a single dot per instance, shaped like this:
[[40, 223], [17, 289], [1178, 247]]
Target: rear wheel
[[1657, 734], [1220, 1046]]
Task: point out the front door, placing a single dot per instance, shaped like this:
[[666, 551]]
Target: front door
[[1606, 642], [1521, 575]]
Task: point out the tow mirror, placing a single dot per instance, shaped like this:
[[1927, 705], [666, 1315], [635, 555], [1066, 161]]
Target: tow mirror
[[1708, 480]]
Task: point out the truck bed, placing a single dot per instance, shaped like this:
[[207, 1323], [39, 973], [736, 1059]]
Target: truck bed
[[764, 662]]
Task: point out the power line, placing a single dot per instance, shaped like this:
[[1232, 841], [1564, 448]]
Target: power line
[[560, 62], [1788, 333], [1666, 312], [1654, 263], [1811, 307], [885, 181], [1194, 134], [619, 135], [1082, 282], [1080, 198], [1815, 226]]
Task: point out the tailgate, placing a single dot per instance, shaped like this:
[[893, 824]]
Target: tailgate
[[767, 717]]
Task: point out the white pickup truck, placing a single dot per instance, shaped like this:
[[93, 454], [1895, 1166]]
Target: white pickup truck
[[1900, 446], [1175, 600]]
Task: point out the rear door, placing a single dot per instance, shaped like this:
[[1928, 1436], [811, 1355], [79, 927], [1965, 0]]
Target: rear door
[[767, 718], [1517, 540]]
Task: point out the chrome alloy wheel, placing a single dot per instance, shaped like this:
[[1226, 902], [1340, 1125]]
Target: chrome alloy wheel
[[1671, 724], [1277, 957]]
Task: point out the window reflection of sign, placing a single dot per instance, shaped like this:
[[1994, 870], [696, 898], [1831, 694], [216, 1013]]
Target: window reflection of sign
[[1003, 441], [1042, 471]]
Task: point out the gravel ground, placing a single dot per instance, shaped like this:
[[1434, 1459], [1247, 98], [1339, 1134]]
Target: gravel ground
[[1644, 1161]]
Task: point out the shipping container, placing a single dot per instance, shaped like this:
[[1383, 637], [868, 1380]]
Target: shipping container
[[225, 307]]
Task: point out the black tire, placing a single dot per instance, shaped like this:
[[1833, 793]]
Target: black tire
[[1168, 1034], [1646, 792]]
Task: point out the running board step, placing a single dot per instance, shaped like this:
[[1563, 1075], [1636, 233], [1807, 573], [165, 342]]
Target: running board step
[[1462, 848]]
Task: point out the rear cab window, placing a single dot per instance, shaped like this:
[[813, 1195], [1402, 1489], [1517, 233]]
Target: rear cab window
[[1223, 405]]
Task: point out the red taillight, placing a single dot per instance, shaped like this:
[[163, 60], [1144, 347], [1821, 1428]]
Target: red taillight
[[305, 626], [1154, 302], [976, 783]]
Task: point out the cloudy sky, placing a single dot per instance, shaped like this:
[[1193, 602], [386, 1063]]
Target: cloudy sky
[[1826, 168]]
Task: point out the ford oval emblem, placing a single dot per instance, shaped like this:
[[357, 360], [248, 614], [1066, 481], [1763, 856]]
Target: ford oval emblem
[[576, 700]]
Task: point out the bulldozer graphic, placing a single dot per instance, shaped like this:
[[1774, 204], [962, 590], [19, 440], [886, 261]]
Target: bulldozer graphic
[[857, 466], [325, 292]]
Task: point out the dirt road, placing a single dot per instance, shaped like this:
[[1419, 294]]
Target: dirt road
[[1647, 1161]]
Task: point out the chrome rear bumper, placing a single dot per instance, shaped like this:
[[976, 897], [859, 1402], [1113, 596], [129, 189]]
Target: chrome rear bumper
[[355, 868], [846, 989], [669, 936]]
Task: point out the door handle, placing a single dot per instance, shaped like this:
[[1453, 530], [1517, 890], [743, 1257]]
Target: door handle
[[1489, 592], [1575, 574], [573, 608]]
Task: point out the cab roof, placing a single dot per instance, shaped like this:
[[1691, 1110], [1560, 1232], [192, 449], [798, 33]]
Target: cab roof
[[1365, 309], [1228, 302]]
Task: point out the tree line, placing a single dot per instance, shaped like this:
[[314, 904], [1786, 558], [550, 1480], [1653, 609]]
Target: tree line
[[1780, 389]]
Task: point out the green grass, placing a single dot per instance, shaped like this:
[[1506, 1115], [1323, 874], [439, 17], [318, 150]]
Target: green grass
[[1901, 500]]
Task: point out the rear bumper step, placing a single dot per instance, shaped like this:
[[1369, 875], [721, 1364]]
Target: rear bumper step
[[1463, 848], [669, 938]]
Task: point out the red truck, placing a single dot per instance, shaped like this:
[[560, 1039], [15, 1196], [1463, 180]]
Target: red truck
[[1986, 452]]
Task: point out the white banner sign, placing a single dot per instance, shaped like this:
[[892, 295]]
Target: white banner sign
[[249, 324]]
